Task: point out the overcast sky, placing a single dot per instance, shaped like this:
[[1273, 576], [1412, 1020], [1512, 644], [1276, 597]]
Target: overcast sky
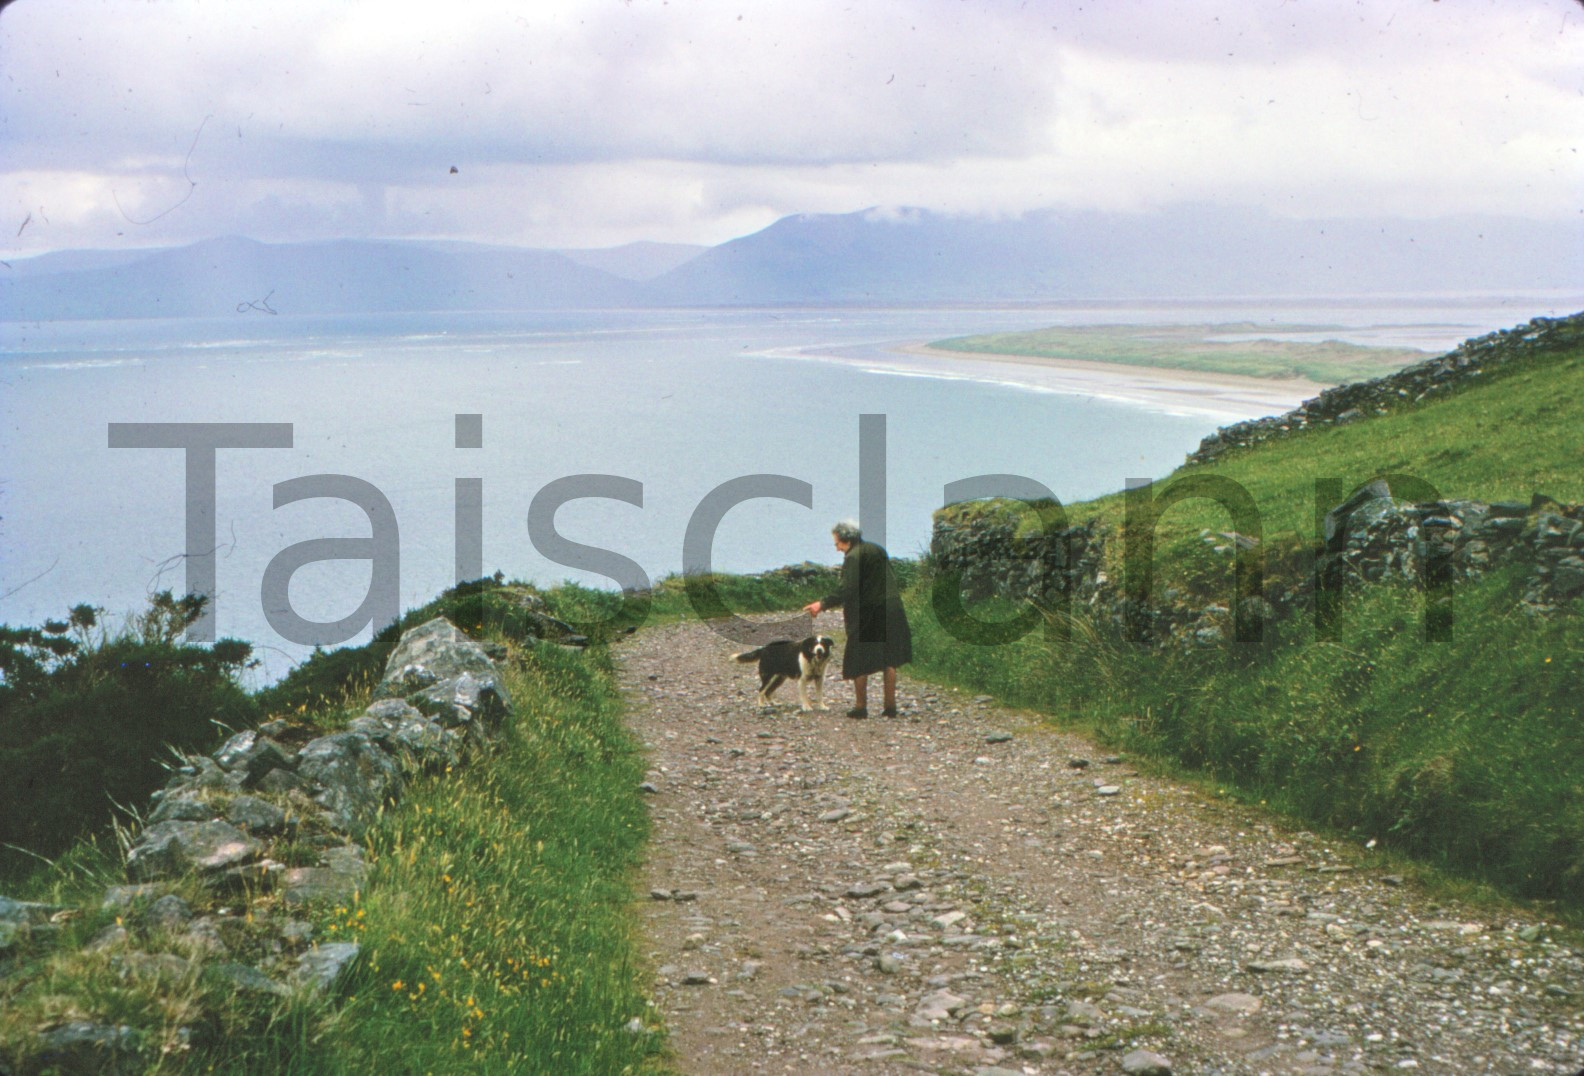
[[597, 122]]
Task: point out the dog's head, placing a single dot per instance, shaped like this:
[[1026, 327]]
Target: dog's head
[[820, 647]]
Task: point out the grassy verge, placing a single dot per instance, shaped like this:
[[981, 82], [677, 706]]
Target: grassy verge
[[497, 925], [1462, 753], [1196, 347]]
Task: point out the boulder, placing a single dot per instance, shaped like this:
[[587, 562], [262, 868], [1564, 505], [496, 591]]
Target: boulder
[[250, 756], [172, 848], [352, 778], [446, 675], [323, 965]]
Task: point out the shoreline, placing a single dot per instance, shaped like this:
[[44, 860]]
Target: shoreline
[[1168, 388], [1225, 398]]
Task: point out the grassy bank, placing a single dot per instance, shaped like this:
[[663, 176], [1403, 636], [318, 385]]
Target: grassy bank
[[1463, 752], [496, 927], [1196, 347]]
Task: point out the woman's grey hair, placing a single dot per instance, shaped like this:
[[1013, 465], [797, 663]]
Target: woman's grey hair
[[847, 531]]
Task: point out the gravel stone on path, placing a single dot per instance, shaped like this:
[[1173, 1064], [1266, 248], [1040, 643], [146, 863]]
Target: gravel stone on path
[[834, 896]]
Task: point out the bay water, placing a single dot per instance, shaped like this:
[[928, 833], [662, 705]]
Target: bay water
[[679, 401]]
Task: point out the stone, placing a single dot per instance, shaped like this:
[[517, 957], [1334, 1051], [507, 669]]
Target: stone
[[255, 815], [246, 979], [168, 913], [317, 885], [421, 741], [999, 737], [173, 848], [250, 756], [354, 778], [183, 809], [939, 1005], [1145, 1063], [1241, 1004], [1289, 965], [442, 672], [120, 897], [323, 965], [84, 1047]]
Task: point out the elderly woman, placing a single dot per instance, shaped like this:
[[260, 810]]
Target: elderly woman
[[878, 637]]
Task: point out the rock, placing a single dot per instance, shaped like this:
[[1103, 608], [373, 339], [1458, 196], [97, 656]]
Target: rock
[[255, 815], [864, 890], [1289, 965], [246, 979], [1146, 1063], [84, 1047], [173, 848], [939, 1005], [1242, 1004], [317, 885], [118, 898], [250, 756], [442, 672], [168, 913], [1085, 1013], [421, 741], [322, 965], [183, 809], [835, 814], [999, 737], [353, 777]]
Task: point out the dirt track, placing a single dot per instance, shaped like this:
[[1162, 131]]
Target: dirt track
[[962, 890]]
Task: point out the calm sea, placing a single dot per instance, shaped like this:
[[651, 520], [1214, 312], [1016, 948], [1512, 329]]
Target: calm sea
[[679, 401]]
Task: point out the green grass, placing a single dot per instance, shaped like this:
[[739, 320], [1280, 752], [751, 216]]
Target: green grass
[[498, 926], [1194, 347], [1463, 752], [500, 898], [1505, 440]]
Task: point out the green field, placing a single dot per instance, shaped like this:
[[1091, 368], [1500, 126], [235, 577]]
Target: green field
[[1191, 347]]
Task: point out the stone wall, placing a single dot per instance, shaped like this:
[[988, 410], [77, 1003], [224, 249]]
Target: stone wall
[[269, 825], [1000, 548]]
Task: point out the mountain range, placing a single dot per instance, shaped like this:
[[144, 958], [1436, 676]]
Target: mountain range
[[869, 257]]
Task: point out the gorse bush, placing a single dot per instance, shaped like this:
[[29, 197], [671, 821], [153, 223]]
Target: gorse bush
[[87, 716]]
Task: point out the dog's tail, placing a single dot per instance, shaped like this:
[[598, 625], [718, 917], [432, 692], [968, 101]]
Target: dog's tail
[[749, 656]]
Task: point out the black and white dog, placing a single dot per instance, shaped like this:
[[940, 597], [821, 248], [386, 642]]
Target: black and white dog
[[784, 659]]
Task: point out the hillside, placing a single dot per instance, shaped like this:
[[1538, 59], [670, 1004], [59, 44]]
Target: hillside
[[872, 257], [1434, 717]]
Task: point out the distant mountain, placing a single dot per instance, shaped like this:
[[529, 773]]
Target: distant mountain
[[637, 261], [222, 276], [1186, 252], [898, 256]]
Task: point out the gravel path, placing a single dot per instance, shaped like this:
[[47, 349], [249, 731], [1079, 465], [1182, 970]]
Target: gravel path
[[962, 890]]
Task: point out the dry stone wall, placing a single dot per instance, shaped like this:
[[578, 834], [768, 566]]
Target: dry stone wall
[[270, 825], [994, 549]]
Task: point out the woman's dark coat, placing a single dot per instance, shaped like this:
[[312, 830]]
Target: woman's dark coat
[[878, 636]]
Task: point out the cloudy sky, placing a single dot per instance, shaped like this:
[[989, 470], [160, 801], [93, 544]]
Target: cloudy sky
[[596, 122]]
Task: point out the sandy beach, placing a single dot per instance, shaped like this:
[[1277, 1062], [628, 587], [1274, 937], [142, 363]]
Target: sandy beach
[[1223, 397]]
